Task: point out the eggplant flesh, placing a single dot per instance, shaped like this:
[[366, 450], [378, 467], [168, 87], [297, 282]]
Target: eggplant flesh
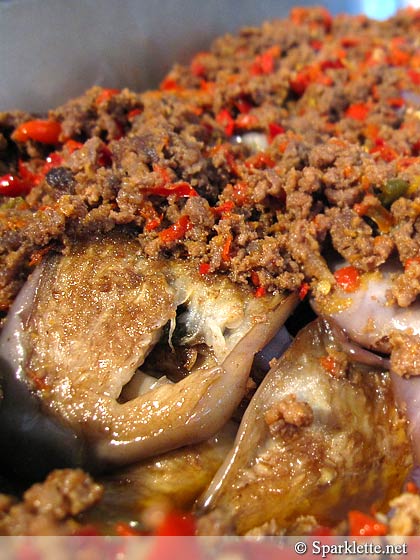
[[352, 451], [82, 327]]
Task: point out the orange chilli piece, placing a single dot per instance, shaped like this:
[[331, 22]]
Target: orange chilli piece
[[105, 95], [176, 231], [348, 278], [177, 524], [363, 525], [44, 131], [204, 268]]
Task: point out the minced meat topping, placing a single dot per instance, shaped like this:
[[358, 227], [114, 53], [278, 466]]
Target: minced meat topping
[[266, 153]]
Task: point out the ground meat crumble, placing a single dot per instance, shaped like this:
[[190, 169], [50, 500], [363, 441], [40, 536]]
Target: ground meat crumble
[[336, 171], [336, 101]]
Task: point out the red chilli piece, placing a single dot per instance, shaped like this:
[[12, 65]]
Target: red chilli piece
[[303, 290], [348, 278], [265, 62], [225, 119], [134, 113], [414, 76], [260, 292], [44, 131], [72, 145], [177, 524], [176, 231], [53, 160], [357, 111], [105, 95], [12, 186], [204, 268], [274, 129], [363, 525], [170, 84], [224, 208]]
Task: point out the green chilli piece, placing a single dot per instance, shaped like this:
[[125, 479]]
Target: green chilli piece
[[393, 189]]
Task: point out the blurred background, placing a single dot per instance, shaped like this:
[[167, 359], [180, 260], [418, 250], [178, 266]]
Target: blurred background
[[51, 50]]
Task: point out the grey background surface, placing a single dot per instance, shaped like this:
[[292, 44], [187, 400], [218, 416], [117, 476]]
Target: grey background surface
[[51, 50]]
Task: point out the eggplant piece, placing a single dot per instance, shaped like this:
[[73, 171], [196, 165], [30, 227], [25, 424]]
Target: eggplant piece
[[366, 314], [84, 324], [311, 442], [170, 481], [370, 320]]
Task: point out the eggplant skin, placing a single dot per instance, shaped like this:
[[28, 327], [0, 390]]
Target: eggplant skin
[[353, 454], [26, 454]]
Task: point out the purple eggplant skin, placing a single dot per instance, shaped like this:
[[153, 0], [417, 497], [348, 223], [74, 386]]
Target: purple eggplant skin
[[32, 442]]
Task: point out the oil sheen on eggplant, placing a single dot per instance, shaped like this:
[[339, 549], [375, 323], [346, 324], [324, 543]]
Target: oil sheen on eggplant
[[82, 327], [354, 453]]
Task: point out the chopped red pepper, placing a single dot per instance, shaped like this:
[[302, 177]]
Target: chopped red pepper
[[347, 42], [180, 189], [11, 185], [166, 187], [177, 524], [303, 290], [255, 279], [348, 278], [301, 81], [125, 530], [333, 64], [260, 161], [330, 365], [412, 487], [240, 193], [363, 525], [398, 57], [396, 102], [223, 208], [38, 255], [106, 95], [44, 131], [53, 160], [169, 84], [264, 63], [226, 249], [72, 146], [133, 113], [176, 231], [386, 153], [243, 105], [197, 66], [414, 76], [153, 219], [204, 268], [26, 175], [316, 44], [274, 129], [357, 111], [246, 121], [225, 119], [260, 292], [411, 261]]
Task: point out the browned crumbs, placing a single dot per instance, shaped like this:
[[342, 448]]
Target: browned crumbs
[[336, 102], [288, 413], [47, 508]]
